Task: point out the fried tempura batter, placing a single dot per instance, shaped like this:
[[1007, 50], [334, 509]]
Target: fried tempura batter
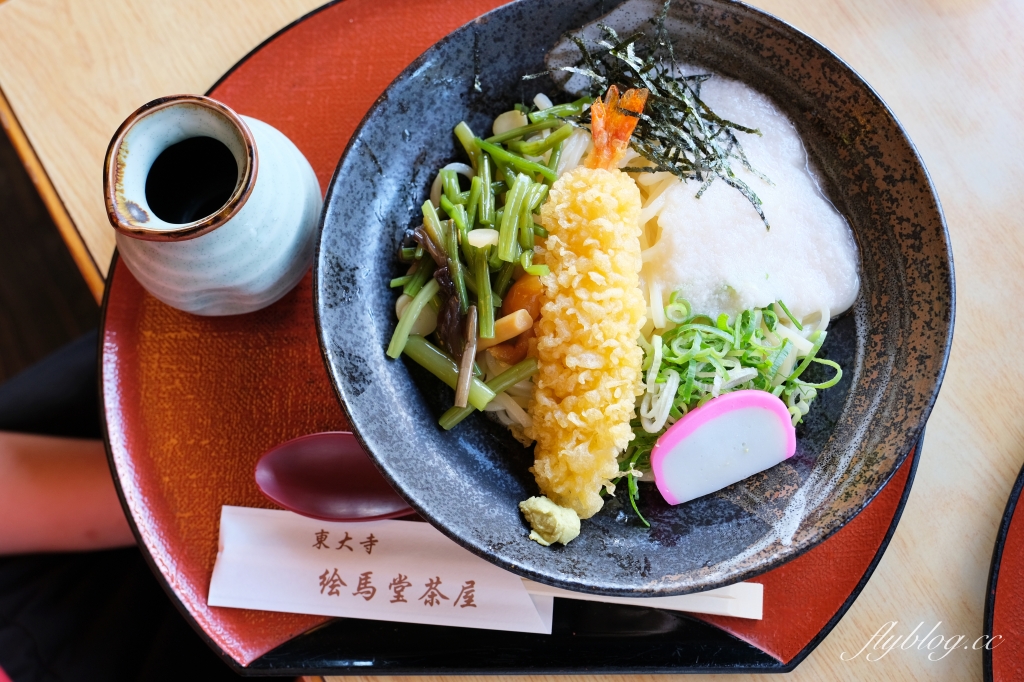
[[589, 361]]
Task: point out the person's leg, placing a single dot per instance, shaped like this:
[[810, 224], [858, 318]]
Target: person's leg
[[89, 615], [56, 495], [58, 396]]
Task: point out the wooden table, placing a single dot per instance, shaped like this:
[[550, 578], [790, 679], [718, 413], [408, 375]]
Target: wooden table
[[953, 72]]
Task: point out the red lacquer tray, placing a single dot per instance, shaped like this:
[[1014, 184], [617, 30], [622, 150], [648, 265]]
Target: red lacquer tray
[[190, 403], [1004, 607]]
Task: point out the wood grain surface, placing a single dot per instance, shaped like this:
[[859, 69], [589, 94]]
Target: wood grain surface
[[951, 70], [72, 71]]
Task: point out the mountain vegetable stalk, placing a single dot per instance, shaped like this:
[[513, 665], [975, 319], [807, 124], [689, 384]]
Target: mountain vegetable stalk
[[455, 265], [516, 162], [485, 299], [424, 271], [538, 147], [409, 316], [487, 193], [437, 362], [510, 218], [561, 110], [524, 131], [465, 136], [504, 381], [468, 355]]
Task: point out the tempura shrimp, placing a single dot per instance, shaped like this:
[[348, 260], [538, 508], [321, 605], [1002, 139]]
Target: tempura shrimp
[[593, 310]]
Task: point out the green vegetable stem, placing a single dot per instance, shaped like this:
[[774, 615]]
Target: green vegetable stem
[[437, 362]]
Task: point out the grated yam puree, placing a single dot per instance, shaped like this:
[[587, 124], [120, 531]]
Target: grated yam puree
[[716, 249]]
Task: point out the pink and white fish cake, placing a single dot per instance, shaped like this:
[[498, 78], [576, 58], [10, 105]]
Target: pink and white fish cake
[[724, 441]]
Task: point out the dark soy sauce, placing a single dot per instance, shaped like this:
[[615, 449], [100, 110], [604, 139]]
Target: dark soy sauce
[[191, 180]]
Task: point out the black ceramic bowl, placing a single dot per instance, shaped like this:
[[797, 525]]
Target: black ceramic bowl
[[468, 482]]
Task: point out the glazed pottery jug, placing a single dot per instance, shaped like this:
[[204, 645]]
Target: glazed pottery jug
[[215, 212]]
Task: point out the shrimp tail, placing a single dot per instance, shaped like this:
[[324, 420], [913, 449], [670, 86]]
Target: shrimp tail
[[611, 124]]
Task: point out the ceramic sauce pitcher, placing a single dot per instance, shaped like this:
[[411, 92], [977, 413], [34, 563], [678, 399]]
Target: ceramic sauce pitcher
[[215, 213]]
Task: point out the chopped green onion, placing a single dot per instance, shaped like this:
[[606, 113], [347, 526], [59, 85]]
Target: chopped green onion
[[715, 357], [831, 382], [792, 319], [780, 357], [540, 270], [409, 316], [437, 362], [818, 338], [677, 310], [504, 381]]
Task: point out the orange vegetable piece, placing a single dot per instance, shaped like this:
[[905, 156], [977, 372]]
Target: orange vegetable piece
[[513, 351], [525, 294]]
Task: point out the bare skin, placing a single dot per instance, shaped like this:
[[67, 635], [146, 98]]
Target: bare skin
[[56, 494]]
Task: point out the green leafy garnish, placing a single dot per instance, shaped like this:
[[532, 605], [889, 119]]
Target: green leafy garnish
[[677, 131]]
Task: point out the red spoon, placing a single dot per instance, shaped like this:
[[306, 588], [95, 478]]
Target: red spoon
[[327, 476]]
